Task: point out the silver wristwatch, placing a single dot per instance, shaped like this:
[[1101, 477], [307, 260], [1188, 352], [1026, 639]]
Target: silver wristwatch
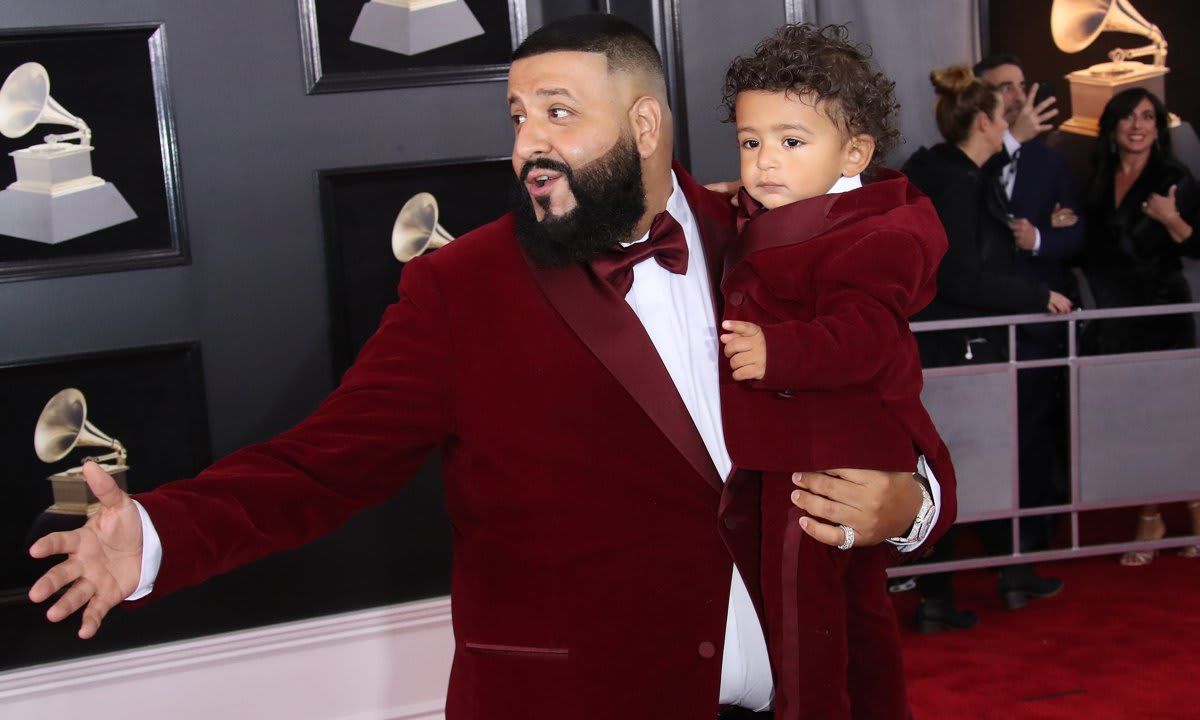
[[924, 515]]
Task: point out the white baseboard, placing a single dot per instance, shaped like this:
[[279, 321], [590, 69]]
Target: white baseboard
[[388, 663]]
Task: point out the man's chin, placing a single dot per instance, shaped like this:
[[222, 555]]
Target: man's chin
[[552, 213]]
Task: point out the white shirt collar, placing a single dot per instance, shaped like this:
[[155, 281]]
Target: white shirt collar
[[1011, 144], [845, 184]]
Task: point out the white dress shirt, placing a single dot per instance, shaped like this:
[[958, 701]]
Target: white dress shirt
[[677, 313], [1008, 178]]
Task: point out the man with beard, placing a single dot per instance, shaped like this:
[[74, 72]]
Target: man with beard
[[571, 386]]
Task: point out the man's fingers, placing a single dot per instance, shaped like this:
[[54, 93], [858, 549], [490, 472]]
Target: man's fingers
[[823, 507], [1050, 114], [729, 187], [96, 611], [103, 486], [823, 532], [59, 543], [744, 329], [73, 599], [1031, 94], [56, 578]]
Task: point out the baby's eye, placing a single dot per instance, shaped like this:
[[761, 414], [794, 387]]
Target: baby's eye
[[793, 142], [559, 113], [749, 144]]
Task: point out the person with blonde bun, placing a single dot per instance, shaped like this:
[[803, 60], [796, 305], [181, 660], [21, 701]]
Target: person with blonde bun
[[977, 277]]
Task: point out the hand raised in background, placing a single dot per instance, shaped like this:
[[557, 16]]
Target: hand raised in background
[[104, 557]]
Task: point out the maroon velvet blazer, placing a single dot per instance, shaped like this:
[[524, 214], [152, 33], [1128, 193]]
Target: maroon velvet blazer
[[592, 536], [832, 280]]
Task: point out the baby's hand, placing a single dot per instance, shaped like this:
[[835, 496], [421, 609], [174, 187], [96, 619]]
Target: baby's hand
[[746, 349]]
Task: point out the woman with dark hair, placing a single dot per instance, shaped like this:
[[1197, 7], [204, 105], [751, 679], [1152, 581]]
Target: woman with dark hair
[[978, 276], [1142, 209]]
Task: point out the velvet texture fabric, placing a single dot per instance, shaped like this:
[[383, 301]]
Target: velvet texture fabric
[[832, 281], [592, 535]]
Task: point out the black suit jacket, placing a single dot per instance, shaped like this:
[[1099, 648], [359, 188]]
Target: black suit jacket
[[1043, 180]]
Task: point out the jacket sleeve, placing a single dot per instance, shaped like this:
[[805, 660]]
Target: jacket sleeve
[[866, 290], [1061, 243], [361, 444], [962, 278]]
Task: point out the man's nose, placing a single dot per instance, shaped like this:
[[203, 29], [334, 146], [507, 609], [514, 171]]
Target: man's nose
[[531, 141]]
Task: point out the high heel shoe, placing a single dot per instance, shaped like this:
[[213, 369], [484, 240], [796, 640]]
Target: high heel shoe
[[1193, 551], [1137, 558]]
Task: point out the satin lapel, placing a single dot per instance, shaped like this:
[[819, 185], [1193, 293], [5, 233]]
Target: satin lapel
[[612, 331], [715, 238]]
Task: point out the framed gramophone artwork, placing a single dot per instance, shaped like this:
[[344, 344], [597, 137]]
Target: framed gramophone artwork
[[1091, 49], [140, 412], [377, 218], [371, 44], [89, 169]]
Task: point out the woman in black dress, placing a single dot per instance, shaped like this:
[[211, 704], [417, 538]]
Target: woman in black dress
[[1141, 209]]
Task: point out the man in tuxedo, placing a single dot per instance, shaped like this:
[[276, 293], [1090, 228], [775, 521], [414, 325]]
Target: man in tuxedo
[[564, 361], [1048, 234]]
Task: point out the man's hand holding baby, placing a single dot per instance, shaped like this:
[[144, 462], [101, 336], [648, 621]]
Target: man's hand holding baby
[[746, 348]]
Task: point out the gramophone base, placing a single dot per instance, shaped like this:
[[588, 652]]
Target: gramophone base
[[46, 218], [1091, 90], [72, 496], [410, 31]]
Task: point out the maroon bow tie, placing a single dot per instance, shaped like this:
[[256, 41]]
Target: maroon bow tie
[[666, 243]]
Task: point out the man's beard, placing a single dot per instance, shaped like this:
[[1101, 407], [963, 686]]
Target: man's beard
[[610, 200]]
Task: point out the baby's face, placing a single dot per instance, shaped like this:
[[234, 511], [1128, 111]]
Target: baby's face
[[790, 148]]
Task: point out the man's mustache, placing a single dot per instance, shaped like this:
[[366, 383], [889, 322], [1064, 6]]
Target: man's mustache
[[545, 164]]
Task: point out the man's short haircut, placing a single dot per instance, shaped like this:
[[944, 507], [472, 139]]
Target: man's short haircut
[[625, 46], [804, 59], [995, 60]]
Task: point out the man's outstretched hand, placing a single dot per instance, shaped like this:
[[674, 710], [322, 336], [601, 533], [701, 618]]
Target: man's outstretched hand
[[104, 557]]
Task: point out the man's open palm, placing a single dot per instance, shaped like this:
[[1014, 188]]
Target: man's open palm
[[104, 557]]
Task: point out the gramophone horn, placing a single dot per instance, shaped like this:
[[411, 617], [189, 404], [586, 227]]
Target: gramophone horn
[[25, 102], [416, 228], [63, 426], [1075, 24]]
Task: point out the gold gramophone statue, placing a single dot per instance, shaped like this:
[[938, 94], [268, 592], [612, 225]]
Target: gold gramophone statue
[[416, 228], [1075, 24], [63, 426]]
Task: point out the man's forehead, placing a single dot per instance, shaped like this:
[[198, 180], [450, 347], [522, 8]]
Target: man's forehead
[[1005, 72], [574, 71]]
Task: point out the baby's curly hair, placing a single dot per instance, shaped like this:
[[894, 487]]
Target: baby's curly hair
[[802, 58]]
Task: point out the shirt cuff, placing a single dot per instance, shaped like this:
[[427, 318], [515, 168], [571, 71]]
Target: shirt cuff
[[1037, 241], [935, 494], [1011, 144], [151, 555]]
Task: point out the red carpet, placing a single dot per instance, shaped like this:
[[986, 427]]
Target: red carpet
[[1116, 643]]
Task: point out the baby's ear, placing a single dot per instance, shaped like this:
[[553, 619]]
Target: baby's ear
[[857, 154]]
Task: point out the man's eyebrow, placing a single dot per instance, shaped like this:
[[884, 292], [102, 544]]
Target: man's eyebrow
[[547, 92], [556, 91]]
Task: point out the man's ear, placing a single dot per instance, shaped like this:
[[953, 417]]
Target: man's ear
[[646, 119], [858, 153]]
